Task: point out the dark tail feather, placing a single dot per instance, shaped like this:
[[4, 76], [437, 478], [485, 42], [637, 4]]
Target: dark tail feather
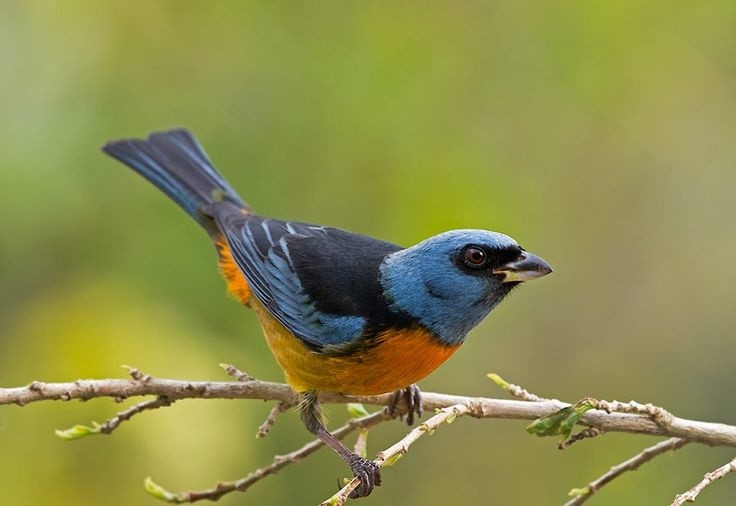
[[176, 163]]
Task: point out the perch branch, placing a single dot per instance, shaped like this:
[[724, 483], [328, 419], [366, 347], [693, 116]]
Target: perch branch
[[583, 494], [279, 462], [390, 455], [714, 434], [270, 420], [114, 422], [598, 416], [707, 480], [588, 433]]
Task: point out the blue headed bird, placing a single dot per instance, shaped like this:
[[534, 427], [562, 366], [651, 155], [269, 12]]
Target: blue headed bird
[[341, 312]]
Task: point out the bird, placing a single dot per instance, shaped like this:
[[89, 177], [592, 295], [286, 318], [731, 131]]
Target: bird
[[341, 312]]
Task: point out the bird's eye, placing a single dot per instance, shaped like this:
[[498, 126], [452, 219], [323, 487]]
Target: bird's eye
[[474, 256]]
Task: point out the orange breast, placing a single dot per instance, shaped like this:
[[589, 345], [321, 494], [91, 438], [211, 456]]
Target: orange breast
[[398, 358]]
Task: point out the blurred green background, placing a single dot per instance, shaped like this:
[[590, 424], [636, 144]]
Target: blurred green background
[[600, 135]]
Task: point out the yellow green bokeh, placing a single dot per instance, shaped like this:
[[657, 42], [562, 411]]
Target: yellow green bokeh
[[598, 134]]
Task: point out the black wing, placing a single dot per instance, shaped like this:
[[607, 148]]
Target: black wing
[[321, 283]]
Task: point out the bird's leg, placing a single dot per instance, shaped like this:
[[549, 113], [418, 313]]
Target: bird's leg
[[368, 471], [413, 397]]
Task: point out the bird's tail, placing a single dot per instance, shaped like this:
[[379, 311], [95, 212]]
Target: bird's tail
[[176, 163]]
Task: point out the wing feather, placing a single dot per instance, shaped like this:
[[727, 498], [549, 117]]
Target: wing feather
[[261, 248]]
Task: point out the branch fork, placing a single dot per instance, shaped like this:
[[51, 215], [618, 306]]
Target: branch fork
[[551, 417]]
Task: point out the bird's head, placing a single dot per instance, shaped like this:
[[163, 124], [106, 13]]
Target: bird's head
[[451, 281]]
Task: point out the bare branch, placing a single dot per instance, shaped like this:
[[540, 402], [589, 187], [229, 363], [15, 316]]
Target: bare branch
[[279, 462], [588, 433], [515, 390], [136, 374], [632, 464], [660, 415], [79, 431], [361, 443], [123, 416], [597, 416], [236, 373], [715, 434], [270, 420], [390, 455], [708, 479]]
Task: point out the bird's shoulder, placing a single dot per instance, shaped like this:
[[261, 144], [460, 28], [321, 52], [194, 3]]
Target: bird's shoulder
[[322, 283]]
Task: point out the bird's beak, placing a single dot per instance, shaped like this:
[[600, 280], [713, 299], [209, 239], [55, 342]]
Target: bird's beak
[[526, 267]]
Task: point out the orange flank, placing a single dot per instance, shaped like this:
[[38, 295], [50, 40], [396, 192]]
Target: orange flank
[[397, 359], [236, 282]]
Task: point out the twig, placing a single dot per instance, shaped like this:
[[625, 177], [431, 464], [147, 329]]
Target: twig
[[715, 434], [708, 479], [588, 433], [515, 390], [270, 420], [279, 462], [236, 373], [632, 464], [524, 394], [136, 374], [79, 431], [389, 456], [123, 416], [361, 443], [658, 414], [598, 416]]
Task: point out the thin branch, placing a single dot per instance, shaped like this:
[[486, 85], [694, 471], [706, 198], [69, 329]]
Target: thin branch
[[632, 464], [707, 480], [658, 414], [270, 420], [521, 393], [236, 373], [123, 416], [361, 443], [279, 462], [516, 390], [390, 455], [587, 433], [79, 431], [715, 434], [556, 418], [136, 374]]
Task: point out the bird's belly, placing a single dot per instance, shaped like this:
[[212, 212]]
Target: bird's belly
[[397, 359]]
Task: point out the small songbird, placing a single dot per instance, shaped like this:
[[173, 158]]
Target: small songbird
[[341, 312]]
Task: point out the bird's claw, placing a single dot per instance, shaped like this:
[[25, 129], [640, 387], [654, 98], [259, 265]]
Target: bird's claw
[[369, 474], [413, 397]]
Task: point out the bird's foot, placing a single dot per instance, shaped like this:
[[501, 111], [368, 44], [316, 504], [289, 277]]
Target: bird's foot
[[369, 474], [413, 397]]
